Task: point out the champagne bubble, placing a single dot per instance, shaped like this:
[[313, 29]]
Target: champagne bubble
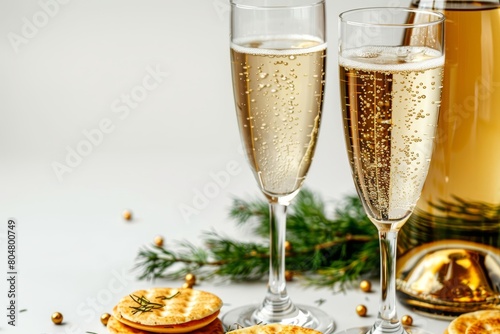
[[285, 141]]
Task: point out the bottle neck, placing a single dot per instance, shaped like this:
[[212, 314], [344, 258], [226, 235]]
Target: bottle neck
[[456, 4]]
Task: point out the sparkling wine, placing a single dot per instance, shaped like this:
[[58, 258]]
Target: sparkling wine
[[390, 104], [278, 87]]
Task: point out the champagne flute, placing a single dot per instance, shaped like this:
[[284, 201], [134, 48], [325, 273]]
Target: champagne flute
[[390, 94], [278, 54]]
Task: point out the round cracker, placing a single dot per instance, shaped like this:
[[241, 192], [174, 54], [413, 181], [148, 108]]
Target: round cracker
[[215, 327], [487, 326], [274, 328], [116, 327], [460, 324], [176, 306], [186, 327]]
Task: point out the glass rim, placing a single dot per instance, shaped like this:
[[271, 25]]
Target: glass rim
[[265, 4], [440, 17]]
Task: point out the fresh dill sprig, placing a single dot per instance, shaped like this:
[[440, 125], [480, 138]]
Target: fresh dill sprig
[[330, 246], [166, 298], [145, 305]]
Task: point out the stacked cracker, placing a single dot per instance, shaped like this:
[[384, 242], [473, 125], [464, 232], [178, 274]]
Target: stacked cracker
[[273, 328], [167, 310], [479, 322]]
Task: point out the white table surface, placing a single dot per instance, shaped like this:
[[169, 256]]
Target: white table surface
[[64, 75]]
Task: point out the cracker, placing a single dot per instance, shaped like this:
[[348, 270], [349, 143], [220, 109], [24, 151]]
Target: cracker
[[464, 321], [170, 306], [187, 327], [487, 326], [116, 327], [215, 327], [274, 328]]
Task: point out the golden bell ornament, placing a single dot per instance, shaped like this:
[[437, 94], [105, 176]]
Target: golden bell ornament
[[448, 279]]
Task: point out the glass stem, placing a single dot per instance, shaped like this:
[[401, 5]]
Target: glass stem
[[387, 319], [277, 304]]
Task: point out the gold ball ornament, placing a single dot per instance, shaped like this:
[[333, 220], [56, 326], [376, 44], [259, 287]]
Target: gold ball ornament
[[186, 285], [127, 214], [361, 310], [190, 279], [158, 240], [105, 318], [57, 318], [407, 320], [365, 286]]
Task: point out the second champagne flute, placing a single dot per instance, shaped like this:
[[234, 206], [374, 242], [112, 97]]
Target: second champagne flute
[[278, 54], [391, 69]]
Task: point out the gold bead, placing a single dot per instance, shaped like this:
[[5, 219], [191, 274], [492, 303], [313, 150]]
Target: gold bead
[[186, 285], [365, 286], [288, 275], [407, 320], [104, 318], [190, 279], [288, 246], [127, 214], [158, 240], [57, 318], [361, 310]]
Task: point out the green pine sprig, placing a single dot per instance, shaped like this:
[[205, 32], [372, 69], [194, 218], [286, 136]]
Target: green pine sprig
[[327, 249]]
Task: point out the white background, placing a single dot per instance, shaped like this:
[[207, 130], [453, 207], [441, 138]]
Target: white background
[[62, 75]]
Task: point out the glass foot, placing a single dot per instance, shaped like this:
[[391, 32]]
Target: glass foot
[[307, 316], [371, 330]]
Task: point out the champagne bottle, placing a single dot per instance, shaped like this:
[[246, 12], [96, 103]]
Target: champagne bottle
[[450, 247]]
